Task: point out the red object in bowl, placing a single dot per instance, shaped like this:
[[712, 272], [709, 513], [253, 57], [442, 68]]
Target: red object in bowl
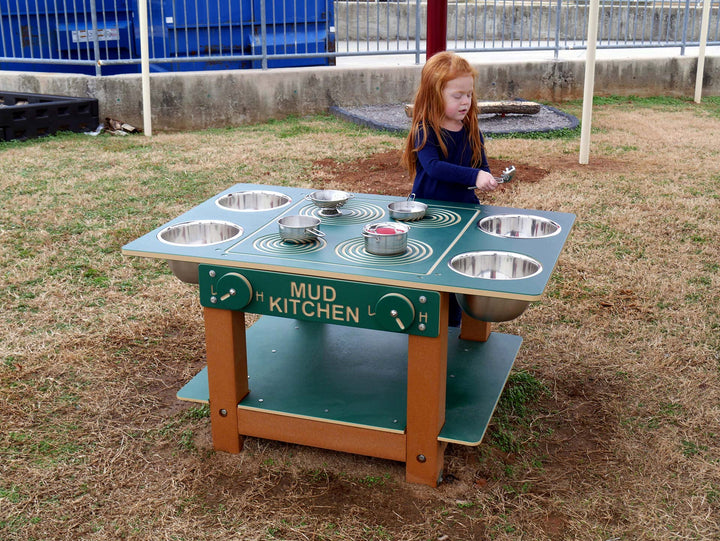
[[386, 231]]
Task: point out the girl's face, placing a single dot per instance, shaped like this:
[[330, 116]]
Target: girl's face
[[457, 97]]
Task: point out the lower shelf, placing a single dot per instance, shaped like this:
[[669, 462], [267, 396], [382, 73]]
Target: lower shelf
[[358, 376]]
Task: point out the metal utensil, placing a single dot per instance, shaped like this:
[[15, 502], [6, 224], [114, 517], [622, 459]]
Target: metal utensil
[[507, 175]]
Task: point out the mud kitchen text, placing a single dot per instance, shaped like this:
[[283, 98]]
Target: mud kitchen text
[[312, 301]]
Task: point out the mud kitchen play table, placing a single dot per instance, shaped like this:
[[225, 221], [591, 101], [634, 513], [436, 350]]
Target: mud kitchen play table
[[353, 351]]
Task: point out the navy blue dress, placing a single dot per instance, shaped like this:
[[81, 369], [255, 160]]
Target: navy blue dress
[[447, 179]]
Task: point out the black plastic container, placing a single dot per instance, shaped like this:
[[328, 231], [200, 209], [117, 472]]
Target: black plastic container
[[26, 116]]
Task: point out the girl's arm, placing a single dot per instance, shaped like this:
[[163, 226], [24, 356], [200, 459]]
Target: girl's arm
[[432, 162], [429, 158]]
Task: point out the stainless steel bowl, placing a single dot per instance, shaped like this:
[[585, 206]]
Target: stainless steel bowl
[[386, 238], [253, 200], [299, 228], [493, 265], [199, 233], [491, 309], [196, 233], [521, 226]]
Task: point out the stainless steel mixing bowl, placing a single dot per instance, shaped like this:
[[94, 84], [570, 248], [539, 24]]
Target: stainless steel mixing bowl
[[253, 200], [521, 226], [196, 233], [493, 265]]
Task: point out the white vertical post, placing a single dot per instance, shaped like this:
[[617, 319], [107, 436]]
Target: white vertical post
[[589, 85], [701, 51], [145, 68]]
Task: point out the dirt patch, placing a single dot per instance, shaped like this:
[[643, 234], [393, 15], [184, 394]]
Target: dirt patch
[[384, 174]]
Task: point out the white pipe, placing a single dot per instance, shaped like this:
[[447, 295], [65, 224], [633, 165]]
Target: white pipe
[[145, 68], [701, 51], [589, 85]]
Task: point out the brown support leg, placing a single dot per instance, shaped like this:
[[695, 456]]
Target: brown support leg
[[427, 372], [227, 374], [474, 329]]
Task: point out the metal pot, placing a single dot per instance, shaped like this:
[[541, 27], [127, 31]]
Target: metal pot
[[386, 238], [299, 228], [407, 210]]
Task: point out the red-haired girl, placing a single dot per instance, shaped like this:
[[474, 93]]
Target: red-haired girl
[[444, 152]]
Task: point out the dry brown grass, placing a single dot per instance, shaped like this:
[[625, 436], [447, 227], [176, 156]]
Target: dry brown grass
[[625, 445]]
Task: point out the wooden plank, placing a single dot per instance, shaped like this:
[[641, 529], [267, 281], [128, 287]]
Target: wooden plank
[[227, 374], [520, 107], [427, 369], [474, 329], [323, 434]]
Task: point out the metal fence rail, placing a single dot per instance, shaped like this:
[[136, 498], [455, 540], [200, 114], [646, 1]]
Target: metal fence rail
[[102, 37]]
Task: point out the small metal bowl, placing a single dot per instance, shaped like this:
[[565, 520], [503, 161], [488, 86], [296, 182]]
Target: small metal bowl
[[329, 201], [493, 265], [253, 200], [520, 226], [196, 233]]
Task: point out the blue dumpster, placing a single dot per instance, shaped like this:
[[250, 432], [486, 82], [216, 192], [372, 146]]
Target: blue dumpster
[[309, 35], [44, 32], [203, 27], [48, 31]]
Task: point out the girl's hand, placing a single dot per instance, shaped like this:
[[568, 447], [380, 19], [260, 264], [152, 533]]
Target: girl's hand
[[485, 182]]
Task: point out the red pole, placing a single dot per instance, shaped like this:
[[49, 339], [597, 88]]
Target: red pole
[[436, 27]]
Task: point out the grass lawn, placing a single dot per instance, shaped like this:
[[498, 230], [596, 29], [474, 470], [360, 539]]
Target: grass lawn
[[609, 427]]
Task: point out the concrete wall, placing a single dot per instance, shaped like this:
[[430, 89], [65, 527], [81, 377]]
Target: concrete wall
[[389, 21], [198, 100]]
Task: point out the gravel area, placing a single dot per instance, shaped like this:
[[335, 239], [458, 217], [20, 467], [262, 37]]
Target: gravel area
[[392, 118]]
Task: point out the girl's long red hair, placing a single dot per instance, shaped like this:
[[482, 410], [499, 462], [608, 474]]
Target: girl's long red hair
[[429, 109]]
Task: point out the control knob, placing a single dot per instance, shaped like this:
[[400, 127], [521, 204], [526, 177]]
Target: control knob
[[233, 292], [394, 312]]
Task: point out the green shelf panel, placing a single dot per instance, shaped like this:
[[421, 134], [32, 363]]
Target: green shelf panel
[[477, 372], [328, 372], [359, 376], [196, 390]]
